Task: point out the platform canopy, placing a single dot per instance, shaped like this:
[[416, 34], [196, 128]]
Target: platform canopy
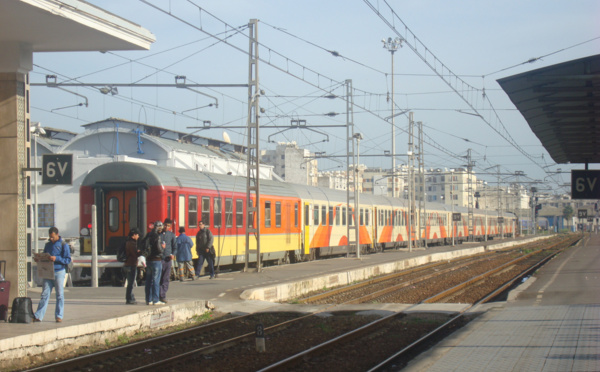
[[561, 105], [68, 25]]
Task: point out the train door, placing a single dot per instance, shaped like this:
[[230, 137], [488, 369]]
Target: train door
[[120, 215], [307, 220]]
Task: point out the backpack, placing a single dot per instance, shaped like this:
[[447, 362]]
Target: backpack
[[69, 266], [21, 311], [144, 246], [122, 252]]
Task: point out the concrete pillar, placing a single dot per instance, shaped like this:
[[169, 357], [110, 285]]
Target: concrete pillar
[[15, 63]]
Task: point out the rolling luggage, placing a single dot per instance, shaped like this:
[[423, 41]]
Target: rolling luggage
[[4, 292]]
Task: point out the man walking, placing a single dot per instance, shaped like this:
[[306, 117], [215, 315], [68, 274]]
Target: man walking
[[60, 254], [169, 253], [184, 254], [204, 243]]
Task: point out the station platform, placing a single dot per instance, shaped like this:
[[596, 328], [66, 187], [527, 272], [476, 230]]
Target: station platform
[[95, 316], [549, 323]]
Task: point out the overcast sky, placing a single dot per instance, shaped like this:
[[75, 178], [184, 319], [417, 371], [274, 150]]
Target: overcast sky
[[480, 41]]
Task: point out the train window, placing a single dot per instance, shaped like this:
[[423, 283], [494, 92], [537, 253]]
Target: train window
[[169, 206], [381, 219], [133, 213], [113, 214], [181, 209], [324, 215], [362, 217], [217, 212], [337, 216], [366, 217], [239, 213], [350, 217], [267, 214], [330, 216], [306, 216], [296, 214], [228, 212], [192, 211], [250, 220], [343, 216], [277, 214], [316, 216], [206, 210]]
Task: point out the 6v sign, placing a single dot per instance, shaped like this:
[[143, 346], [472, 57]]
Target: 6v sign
[[585, 184], [57, 169]]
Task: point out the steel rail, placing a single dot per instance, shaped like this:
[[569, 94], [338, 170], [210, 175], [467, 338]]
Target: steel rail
[[451, 291]]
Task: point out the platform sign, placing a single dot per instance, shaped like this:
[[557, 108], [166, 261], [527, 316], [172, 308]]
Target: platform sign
[[585, 184], [57, 169], [456, 217], [582, 213]]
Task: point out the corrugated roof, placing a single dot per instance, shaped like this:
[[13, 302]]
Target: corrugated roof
[[152, 175], [560, 104]]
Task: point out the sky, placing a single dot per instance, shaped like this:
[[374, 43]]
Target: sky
[[309, 49]]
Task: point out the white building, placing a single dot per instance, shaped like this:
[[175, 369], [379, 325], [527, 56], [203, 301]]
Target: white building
[[292, 163]]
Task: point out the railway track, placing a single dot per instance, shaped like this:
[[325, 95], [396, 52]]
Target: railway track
[[343, 338]]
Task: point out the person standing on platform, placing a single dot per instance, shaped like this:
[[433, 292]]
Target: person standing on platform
[[130, 266], [169, 253], [156, 248], [60, 254], [204, 243], [184, 255]]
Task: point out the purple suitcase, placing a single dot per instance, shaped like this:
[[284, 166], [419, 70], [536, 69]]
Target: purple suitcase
[[4, 292]]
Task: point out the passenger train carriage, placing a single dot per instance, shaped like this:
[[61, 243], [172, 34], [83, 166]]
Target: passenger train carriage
[[297, 222]]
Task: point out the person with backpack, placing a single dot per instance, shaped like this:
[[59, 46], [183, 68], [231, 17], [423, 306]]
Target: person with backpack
[[184, 254], [204, 248], [60, 253], [132, 252], [155, 249]]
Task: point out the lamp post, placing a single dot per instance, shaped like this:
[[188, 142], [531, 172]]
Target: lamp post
[[392, 46]]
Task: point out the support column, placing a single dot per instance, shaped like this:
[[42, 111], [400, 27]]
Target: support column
[[15, 212]]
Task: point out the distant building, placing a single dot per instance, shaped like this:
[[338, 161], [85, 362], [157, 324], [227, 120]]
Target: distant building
[[292, 163]]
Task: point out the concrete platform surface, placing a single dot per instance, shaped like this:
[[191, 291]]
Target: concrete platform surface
[[551, 323]]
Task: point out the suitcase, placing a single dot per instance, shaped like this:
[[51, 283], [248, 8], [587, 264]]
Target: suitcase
[[4, 292]]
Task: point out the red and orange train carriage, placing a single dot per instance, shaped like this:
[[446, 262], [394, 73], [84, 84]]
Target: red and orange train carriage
[[297, 222]]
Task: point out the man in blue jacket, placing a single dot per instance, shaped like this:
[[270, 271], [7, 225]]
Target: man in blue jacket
[[184, 254], [60, 254]]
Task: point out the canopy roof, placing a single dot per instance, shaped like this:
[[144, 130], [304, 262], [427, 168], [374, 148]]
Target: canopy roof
[[560, 104]]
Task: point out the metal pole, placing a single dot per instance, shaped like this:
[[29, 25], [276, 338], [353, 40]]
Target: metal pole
[[94, 248], [452, 202], [357, 196], [393, 135]]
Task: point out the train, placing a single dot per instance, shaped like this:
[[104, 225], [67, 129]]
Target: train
[[298, 222]]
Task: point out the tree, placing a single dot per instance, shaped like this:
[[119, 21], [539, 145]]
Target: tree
[[568, 213]]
